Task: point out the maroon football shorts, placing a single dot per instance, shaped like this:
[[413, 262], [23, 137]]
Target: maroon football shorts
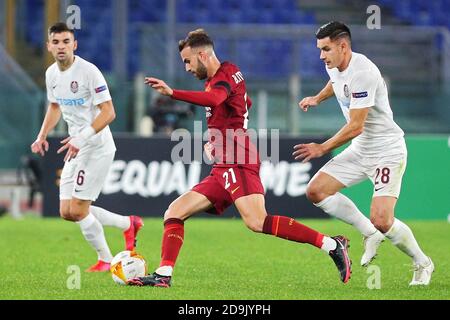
[[224, 185]]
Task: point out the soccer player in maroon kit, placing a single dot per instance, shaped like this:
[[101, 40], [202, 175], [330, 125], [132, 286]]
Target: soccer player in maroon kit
[[235, 174]]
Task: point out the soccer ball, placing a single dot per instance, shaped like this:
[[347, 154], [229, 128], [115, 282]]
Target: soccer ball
[[127, 265]]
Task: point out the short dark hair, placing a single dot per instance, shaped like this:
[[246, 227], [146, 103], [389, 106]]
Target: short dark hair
[[334, 30], [195, 39], [60, 27]]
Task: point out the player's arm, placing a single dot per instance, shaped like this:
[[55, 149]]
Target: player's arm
[[324, 94], [351, 130], [74, 144], [213, 98], [363, 89], [51, 119], [106, 116]]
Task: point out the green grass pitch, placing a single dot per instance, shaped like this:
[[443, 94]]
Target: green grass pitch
[[220, 259]]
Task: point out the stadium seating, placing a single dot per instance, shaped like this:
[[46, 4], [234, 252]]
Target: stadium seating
[[95, 35], [34, 30], [419, 12]]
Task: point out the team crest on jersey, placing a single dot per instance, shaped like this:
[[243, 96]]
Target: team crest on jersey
[[346, 92], [74, 86]]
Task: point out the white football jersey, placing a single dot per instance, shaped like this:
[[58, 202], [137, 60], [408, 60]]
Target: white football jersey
[[361, 86], [78, 90]]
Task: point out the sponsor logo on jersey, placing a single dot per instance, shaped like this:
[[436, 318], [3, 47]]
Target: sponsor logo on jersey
[[71, 102], [208, 111], [74, 86], [359, 94], [346, 92], [100, 89]]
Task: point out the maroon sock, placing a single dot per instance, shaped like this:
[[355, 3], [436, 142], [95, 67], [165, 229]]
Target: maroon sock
[[172, 241], [289, 229]]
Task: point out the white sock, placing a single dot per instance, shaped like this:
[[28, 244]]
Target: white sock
[[344, 209], [165, 271], [402, 237], [92, 231], [107, 218], [328, 244]]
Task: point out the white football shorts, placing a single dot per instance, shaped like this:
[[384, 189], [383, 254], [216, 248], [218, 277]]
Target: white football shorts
[[386, 172], [84, 176]]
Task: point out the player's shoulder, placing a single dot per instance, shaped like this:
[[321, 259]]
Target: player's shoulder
[[362, 63], [51, 70], [229, 67], [363, 66], [86, 65]]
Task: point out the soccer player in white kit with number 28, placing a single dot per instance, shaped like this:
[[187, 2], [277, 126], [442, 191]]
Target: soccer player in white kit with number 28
[[77, 90], [377, 152]]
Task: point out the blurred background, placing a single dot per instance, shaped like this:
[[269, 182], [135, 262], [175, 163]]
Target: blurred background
[[271, 41]]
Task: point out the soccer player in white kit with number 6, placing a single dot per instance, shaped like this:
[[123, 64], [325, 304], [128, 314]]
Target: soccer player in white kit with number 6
[[377, 152], [77, 90]]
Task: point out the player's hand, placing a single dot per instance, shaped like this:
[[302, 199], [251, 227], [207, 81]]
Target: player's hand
[[308, 102], [72, 145], [40, 146], [308, 151], [208, 147], [159, 86]]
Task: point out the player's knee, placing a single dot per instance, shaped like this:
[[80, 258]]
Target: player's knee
[[173, 213], [65, 214], [382, 225], [168, 214], [77, 213], [381, 220], [314, 193], [78, 209]]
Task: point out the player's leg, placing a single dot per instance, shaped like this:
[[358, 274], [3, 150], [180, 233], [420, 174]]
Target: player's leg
[[245, 188], [110, 219], [323, 191], [78, 211], [84, 182], [179, 210], [382, 216], [386, 175], [254, 215], [64, 210], [130, 225], [92, 231], [253, 212]]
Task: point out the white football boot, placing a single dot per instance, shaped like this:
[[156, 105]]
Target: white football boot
[[371, 244], [422, 274]]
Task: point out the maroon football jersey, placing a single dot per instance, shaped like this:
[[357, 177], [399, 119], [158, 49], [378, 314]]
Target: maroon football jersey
[[227, 123]]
